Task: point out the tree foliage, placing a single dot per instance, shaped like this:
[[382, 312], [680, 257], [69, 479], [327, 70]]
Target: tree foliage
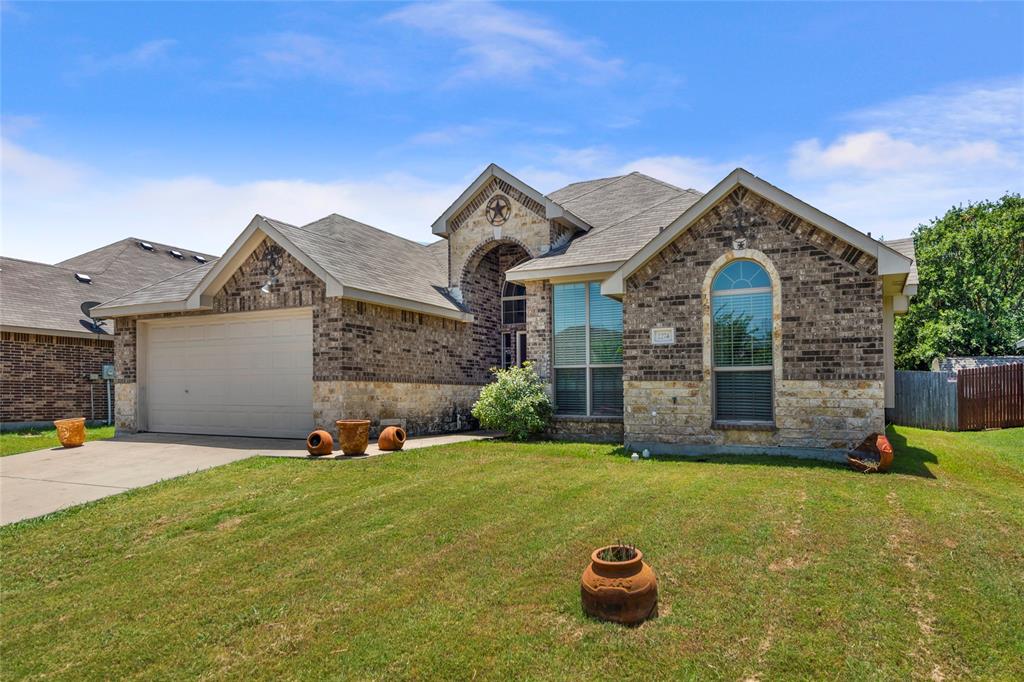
[[515, 402], [970, 298]]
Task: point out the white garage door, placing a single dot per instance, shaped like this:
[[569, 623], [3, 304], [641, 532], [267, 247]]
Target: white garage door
[[247, 374]]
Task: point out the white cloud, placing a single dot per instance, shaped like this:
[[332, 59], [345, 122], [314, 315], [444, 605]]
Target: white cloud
[[682, 171], [449, 135], [53, 209], [909, 160], [146, 54], [499, 42]]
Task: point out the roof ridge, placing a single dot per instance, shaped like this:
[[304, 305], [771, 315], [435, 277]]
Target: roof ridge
[[36, 262], [360, 222], [661, 182], [617, 178], [115, 256]]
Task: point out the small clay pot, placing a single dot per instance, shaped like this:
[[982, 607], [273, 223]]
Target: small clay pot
[[71, 432], [353, 435], [391, 438], [877, 455], [320, 443], [619, 591]]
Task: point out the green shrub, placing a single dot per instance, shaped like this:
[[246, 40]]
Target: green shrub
[[515, 402]]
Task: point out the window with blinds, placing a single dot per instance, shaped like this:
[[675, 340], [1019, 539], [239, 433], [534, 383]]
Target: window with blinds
[[587, 350], [741, 305]]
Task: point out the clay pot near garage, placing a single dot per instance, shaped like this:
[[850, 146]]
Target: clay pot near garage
[[353, 435], [71, 432], [320, 443], [619, 586], [391, 438]]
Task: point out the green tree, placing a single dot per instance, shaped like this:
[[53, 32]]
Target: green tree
[[970, 298]]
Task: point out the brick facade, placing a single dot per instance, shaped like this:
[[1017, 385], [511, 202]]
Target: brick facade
[[44, 377], [828, 332]]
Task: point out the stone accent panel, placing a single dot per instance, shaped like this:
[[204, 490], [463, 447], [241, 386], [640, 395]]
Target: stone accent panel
[[525, 226], [126, 407], [495, 186], [808, 414], [831, 296], [423, 407], [590, 429], [44, 377]]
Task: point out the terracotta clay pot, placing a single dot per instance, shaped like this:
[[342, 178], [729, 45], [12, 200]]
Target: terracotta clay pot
[[877, 457], [391, 438], [320, 443], [71, 432], [353, 435], [619, 591]]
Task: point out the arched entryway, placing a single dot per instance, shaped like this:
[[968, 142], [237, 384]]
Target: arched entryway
[[498, 307]]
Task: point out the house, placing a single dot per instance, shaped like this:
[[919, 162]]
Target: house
[[741, 319], [51, 350], [959, 362]]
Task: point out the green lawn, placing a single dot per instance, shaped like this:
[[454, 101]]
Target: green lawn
[[464, 561], [13, 442]]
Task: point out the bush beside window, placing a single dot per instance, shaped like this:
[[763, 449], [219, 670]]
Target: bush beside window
[[515, 402]]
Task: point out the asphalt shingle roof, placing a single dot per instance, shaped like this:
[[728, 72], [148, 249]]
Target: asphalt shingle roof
[[906, 247], [49, 297], [626, 212], [354, 253]]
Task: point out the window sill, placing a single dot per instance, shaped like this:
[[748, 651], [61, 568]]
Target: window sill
[[744, 426], [587, 418]]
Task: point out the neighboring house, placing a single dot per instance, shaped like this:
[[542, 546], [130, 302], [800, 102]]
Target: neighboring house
[[957, 363], [51, 351], [741, 319]]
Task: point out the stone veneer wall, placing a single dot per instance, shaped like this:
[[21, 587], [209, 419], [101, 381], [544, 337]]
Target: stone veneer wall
[[409, 361], [829, 392], [45, 377]]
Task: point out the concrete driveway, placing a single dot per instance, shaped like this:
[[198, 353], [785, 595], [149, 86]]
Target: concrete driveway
[[40, 482]]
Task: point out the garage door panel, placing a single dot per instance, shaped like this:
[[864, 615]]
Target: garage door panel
[[248, 375]]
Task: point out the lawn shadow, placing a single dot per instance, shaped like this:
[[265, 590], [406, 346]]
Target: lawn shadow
[[908, 459]]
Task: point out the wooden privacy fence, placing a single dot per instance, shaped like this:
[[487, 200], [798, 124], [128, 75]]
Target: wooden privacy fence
[[990, 397], [927, 400]]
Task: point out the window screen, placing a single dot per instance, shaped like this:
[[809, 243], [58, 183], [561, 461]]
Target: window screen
[[570, 322], [741, 304], [571, 391], [587, 350]]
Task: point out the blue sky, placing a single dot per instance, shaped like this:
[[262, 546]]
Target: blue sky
[[176, 122]]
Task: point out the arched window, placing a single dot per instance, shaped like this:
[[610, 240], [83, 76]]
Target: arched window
[[741, 337], [513, 303]]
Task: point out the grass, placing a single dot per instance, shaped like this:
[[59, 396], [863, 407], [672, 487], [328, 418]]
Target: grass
[[463, 561], [26, 440]]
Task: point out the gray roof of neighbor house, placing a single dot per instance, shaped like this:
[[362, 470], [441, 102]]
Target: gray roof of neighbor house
[[906, 247], [957, 363], [49, 298], [626, 212]]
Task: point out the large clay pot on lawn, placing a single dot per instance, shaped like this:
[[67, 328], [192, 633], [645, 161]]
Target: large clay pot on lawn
[[320, 443], [353, 435], [873, 455], [71, 432], [391, 438], [620, 591]]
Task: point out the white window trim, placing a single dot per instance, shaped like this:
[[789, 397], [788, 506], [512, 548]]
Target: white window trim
[[715, 369], [588, 366]]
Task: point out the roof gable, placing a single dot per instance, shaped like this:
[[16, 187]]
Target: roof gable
[[889, 260], [552, 210]]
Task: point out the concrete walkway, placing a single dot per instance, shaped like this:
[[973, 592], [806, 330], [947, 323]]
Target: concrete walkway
[[40, 482]]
